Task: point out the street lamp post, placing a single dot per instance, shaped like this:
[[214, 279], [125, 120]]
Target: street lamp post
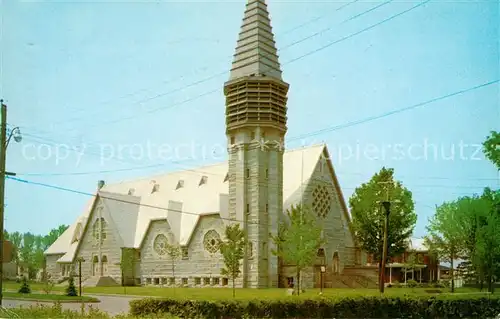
[[80, 260], [120, 264], [323, 270], [4, 142]]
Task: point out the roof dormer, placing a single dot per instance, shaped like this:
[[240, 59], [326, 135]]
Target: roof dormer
[[203, 180], [180, 184], [77, 234], [156, 188]]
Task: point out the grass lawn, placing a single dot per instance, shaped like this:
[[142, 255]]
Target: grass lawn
[[47, 297], [273, 293], [226, 293]]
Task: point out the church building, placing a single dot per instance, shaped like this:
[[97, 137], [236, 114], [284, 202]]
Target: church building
[[190, 209]]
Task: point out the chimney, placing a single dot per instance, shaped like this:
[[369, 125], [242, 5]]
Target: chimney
[[100, 184]]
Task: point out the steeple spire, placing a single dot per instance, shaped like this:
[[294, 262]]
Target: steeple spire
[[256, 52]]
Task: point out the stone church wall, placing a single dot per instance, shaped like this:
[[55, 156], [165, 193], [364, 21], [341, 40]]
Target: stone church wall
[[52, 268], [198, 268], [110, 247], [321, 195]]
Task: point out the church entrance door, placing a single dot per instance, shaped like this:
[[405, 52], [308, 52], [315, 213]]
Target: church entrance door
[[104, 265], [317, 277], [336, 264], [95, 266]]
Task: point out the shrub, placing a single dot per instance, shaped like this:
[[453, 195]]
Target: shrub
[[438, 285], [360, 307], [25, 286], [56, 311], [411, 283], [48, 284], [71, 289]]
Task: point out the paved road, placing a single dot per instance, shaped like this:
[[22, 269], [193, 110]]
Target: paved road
[[113, 305]]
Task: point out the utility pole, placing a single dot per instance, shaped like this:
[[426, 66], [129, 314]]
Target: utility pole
[[387, 207], [387, 210], [3, 147], [4, 142]]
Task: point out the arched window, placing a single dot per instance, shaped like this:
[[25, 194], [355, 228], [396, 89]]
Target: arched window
[[99, 229], [104, 264], [250, 249], [95, 265]]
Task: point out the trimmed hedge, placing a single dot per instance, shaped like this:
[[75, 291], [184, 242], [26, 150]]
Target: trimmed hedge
[[360, 307]]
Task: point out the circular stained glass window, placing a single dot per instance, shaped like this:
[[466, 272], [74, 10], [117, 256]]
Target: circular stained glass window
[[160, 244], [211, 241]]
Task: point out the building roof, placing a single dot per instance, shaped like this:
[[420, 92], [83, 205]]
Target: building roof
[[256, 52], [180, 197]]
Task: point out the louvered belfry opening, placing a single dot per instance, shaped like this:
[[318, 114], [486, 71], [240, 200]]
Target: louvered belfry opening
[[256, 100]]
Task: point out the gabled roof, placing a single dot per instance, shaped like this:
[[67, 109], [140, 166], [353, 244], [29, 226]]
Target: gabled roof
[[181, 206], [256, 52]]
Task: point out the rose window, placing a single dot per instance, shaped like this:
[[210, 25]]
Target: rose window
[[211, 241], [322, 200], [160, 244]]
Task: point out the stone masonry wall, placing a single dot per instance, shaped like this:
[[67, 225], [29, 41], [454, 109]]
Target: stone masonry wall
[[110, 247], [198, 269], [53, 269], [335, 226]]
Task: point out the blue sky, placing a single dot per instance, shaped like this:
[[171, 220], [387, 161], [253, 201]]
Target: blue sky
[[95, 76]]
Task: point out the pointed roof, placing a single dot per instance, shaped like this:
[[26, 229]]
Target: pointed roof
[[256, 52]]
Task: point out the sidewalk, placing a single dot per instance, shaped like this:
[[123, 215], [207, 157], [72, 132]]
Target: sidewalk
[[87, 294]]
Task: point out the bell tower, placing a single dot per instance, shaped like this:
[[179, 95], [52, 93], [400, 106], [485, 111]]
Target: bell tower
[[256, 98]]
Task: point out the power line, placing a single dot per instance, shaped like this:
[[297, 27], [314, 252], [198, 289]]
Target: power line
[[376, 117], [210, 92], [199, 171], [324, 130], [121, 200], [288, 62], [311, 52], [225, 71]]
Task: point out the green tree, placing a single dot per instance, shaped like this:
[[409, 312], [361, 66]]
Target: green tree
[[368, 215], [52, 236], [27, 254], [446, 235], [25, 286], [488, 236], [174, 252], [298, 239], [411, 264], [491, 148], [470, 209], [71, 289], [232, 250]]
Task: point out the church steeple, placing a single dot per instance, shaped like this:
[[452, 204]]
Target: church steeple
[[256, 52], [256, 116]]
